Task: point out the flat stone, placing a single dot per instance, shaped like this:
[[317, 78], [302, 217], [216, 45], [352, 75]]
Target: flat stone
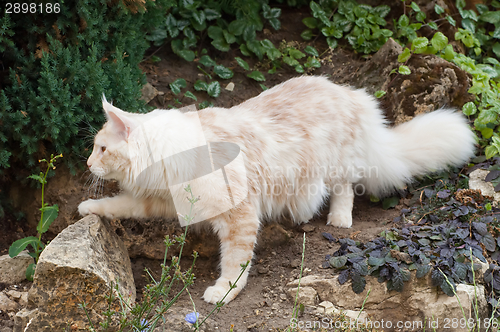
[[13, 270], [6, 304], [476, 181], [14, 294], [307, 295], [418, 300], [149, 92], [230, 86]]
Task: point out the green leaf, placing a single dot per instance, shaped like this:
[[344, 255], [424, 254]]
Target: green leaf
[[199, 17], [177, 85], [390, 202], [433, 25], [404, 70], [415, 7], [439, 41], [21, 244], [496, 49], [451, 20], [211, 14], [332, 42], [438, 9], [449, 54], [404, 21], [310, 22], [338, 262], [223, 72], [187, 55], [490, 151], [312, 63], [296, 54], [36, 177], [229, 37], [376, 261], [237, 27], [221, 45], [487, 133], [419, 43], [207, 61], [189, 94], [492, 17], [307, 34], [257, 75], [200, 86], [405, 55], [242, 63], [264, 88], [422, 270], [244, 50], [30, 271], [49, 215], [256, 47], [311, 50], [299, 69], [469, 108], [381, 11], [213, 89], [319, 13], [380, 93]]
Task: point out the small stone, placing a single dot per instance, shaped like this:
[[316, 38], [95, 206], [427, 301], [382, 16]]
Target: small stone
[[13, 270], [14, 294], [283, 296], [148, 92], [251, 326], [307, 295], [23, 301], [295, 263], [230, 86], [263, 269], [308, 228], [6, 304]]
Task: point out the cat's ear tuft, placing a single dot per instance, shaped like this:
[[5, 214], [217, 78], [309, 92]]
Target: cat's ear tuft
[[120, 123]]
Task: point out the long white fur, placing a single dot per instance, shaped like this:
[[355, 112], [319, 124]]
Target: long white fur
[[304, 134]]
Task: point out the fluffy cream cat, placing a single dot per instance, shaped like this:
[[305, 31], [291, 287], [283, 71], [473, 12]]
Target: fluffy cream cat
[[300, 142]]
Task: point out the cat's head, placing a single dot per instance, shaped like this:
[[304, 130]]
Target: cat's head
[[110, 155]]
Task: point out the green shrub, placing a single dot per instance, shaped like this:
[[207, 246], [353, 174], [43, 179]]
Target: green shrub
[[58, 65]]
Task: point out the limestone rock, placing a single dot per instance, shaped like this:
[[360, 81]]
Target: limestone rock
[[418, 301], [476, 181], [149, 92], [6, 304], [78, 266], [13, 270], [432, 84], [307, 295]]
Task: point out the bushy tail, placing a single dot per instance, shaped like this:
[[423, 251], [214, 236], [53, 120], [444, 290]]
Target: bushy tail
[[427, 143]]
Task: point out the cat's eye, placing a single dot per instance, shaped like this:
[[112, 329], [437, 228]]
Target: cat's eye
[[103, 148]]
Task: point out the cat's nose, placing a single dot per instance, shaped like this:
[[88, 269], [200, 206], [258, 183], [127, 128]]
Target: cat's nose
[[89, 164]]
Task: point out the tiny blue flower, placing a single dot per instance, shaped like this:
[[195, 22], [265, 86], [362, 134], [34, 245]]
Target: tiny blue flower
[[192, 317], [144, 325]]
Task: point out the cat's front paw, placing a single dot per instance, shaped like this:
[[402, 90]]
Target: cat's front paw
[[90, 206], [214, 294], [339, 220]]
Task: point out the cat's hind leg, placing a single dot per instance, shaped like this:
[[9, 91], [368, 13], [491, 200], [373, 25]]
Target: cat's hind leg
[[341, 203], [237, 230]]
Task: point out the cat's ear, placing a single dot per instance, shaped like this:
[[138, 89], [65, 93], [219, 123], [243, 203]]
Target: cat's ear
[[120, 123]]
